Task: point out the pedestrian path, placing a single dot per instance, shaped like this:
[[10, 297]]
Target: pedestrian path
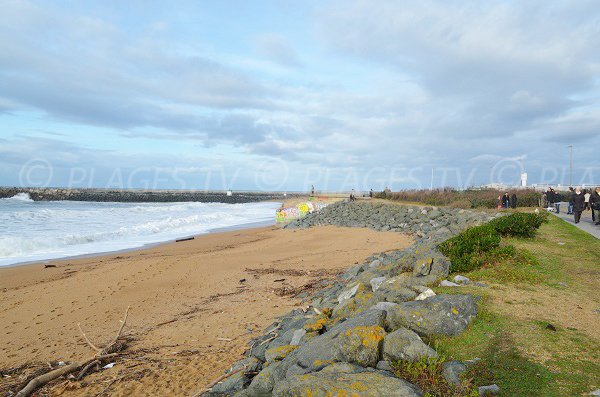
[[585, 224]]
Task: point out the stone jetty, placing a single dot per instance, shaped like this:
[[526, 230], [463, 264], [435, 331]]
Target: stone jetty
[[373, 315]]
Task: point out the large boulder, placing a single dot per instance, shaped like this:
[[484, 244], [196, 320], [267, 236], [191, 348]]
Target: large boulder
[[395, 289], [438, 315], [345, 380], [361, 345], [404, 344], [438, 266], [323, 350], [263, 383]]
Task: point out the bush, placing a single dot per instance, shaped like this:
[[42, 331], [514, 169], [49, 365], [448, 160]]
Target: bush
[[466, 249], [519, 224], [471, 198]]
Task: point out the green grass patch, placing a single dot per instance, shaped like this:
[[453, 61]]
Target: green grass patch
[[427, 375], [512, 337]]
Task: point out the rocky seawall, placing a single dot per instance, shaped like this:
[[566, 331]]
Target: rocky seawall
[[139, 196], [375, 314]]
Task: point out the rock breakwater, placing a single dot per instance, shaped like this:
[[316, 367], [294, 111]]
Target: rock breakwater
[[139, 196], [373, 315]]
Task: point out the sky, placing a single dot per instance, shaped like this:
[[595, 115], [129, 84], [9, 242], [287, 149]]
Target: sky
[[282, 95]]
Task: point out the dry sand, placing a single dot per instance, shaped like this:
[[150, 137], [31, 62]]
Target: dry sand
[[183, 297]]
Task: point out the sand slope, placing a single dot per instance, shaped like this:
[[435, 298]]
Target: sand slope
[[183, 297]]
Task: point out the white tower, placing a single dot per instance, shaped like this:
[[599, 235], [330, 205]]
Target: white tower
[[524, 179]]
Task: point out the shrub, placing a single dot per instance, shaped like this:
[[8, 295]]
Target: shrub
[[519, 224], [471, 198], [466, 249]]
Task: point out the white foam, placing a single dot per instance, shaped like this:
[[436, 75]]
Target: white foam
[[50, 230], [21, 197]]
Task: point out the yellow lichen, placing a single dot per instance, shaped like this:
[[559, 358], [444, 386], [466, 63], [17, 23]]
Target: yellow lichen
[[280, 352], [317, 325], [369, 336]]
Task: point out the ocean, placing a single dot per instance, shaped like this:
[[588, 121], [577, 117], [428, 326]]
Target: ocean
[[41, 230]]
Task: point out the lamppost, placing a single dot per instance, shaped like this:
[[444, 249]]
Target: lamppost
[[570, 165]]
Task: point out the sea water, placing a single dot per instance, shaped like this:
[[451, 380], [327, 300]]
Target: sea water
[[40, 230]]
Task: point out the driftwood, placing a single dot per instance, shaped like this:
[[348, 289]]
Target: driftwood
[[109, 351]]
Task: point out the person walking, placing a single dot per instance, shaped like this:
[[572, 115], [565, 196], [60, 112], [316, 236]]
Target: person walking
[[499, 203], [506, 200], [570, 207], [587, 195], [578, 204], [595, 204], [513, 201]]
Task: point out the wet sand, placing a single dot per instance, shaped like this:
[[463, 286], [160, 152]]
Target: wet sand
[[191, 314]]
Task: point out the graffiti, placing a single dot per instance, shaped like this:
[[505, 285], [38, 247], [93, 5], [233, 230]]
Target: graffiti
[[290, 213]]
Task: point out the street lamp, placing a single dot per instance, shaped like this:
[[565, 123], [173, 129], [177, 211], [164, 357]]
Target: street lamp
[[570, 165]]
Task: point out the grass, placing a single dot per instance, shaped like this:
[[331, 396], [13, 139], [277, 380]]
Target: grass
[[544, 283]]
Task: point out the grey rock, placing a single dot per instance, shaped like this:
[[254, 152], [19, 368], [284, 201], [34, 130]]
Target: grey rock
[[376, 282], [594, 393], [404, 344], [451, 371], [385, 306], [428, 293], [297, 336], [490, 390], [375, 263], [384, 365], [348, 293], [263, 383], [441, 314], [323, 350], [345, 380], [461, 279], [235, 383], [361, 345], [446, 283]]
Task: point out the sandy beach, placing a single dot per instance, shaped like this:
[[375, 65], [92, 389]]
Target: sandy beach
[[194, 304]]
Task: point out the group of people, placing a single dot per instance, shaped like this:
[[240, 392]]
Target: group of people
[[580, 201], [507, 201]]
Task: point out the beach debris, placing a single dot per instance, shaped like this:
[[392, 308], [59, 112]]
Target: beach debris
[[184, 239], [48, 266], [243, 280], [109, 366], [111, 350], [279, 280], [224, 339]]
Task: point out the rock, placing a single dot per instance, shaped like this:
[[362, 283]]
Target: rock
[[384, 365], [361, 345], [446, 283], [594, 393], [323, 350], [376, 282], [345, 380], [461, 279], [235, 383], [440, 314], [263, 383], [375, 263], [451, 371], [404, 344], [428, 293], [385, 306], [297, 336], [395, 290], [278, 353], [348, 293], [490, 390], [432, 266]]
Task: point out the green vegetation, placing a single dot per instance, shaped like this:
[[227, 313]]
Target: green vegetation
[[480, 246], [427, 374], [482, 198], [536, 332]]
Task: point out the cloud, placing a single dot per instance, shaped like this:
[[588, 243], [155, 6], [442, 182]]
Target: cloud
[[275, 47]]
